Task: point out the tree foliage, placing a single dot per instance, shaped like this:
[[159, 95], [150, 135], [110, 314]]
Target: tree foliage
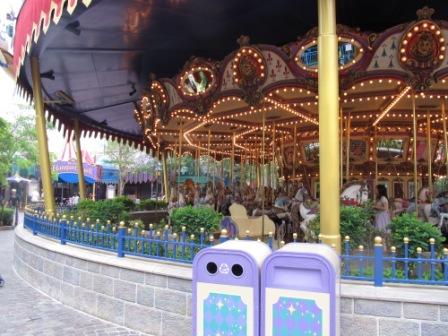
[[7, 150], [129, 160]]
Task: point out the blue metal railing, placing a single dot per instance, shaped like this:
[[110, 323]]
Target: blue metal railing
[[124, 241], [378, 267], [386, 266]]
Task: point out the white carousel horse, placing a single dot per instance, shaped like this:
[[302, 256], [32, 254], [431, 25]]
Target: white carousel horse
[[307, 219], [357, 191]]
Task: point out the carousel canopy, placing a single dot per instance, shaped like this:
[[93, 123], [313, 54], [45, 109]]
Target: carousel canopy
[[97, 56]]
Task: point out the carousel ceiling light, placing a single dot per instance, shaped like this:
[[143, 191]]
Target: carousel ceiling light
[[392, 104]]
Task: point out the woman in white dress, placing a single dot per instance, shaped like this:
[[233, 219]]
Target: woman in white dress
[[382, 216]]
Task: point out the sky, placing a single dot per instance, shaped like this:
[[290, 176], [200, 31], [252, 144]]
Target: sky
[[12, 105]]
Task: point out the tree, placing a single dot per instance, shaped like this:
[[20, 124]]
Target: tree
[[127, 160], [25, 139], [7, 150]]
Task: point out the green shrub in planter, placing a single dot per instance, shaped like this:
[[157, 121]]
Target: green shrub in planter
[[417, 231], [127, 203], [149, 204], [6, 216], [356, 222], [194, 219], [104, 210]]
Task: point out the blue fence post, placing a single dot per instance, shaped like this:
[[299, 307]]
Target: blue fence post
[[432, 243], [34, 224], [63, 227], [419, 263], [347, 255], [393, 252], [223, 237], [406, 257], [445, 264], [378, 269], [120, 237], [271, 239]]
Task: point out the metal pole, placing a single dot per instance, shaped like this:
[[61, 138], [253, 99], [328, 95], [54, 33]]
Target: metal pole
[[328, 124], [272, 175], [79, 164], [294, 146], [208, 155], [263, 196], [282, 149], [414, 147], [44, 157], [341, 146], [429, 150], [232, 159], [445, 137], [376, 157], [347, 149], [165, 177], [181, 134]]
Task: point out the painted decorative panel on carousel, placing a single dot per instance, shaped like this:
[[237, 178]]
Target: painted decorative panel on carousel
[[226, 289]]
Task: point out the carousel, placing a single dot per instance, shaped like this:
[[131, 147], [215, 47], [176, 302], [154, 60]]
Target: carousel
[[257, 108], [248, 113]]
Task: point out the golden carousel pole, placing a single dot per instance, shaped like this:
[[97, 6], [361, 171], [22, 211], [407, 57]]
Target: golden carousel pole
[[428, 150], [273, 185], [232, 159], [445, 137], [165, 177], [208, 155], [282, 150], [263, 196], [376, 158], [179, 163], [198, 161], [328, 124], [241, 171], [294, 146], [41, 130], [414, 148], [347, 149], [341, 145]]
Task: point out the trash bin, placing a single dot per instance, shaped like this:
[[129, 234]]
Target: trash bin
[[300, 291], [226, 288]]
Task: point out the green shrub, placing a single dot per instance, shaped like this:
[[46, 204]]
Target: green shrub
[[356, 222], [128, 204], [150, 204], [104, 210], [6, 216], [417, 231], [194, 219]]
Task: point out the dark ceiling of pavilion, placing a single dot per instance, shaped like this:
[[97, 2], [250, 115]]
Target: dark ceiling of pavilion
[[100, 55]]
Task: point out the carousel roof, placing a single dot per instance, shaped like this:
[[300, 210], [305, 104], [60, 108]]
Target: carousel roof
[[97, 57]]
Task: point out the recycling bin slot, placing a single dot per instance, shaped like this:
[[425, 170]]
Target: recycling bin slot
[[310, 279]]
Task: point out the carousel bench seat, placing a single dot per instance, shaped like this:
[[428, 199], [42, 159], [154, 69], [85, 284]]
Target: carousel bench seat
[[245, 223]]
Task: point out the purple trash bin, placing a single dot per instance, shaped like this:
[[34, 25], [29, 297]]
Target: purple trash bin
[[226, 289], [300, 291]]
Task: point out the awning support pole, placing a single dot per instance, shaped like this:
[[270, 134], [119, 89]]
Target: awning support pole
[[44, 157]]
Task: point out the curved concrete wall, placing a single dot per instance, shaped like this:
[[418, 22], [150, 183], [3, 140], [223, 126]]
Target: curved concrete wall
[[155, 297], [151, 297]]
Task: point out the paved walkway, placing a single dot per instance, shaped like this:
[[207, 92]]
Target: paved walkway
[[24, 311]]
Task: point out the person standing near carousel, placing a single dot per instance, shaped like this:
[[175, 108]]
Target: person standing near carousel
[[382, 216]]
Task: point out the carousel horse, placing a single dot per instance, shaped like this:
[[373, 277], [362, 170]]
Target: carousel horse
[[306, 213], [308, 216], [356, 191]]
